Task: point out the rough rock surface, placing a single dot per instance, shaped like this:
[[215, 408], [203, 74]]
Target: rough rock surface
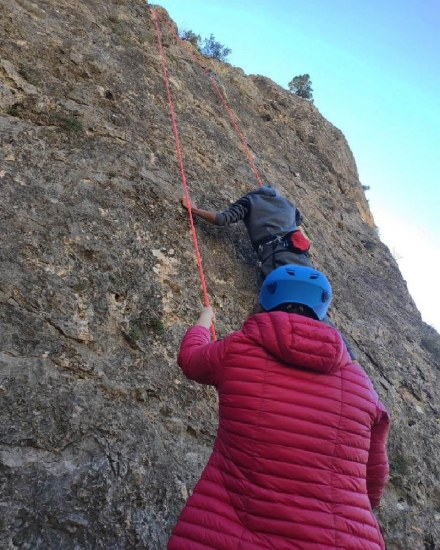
[[101, 437]]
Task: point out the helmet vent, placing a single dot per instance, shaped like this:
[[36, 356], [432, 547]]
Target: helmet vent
[[272, 287], [314, 276]]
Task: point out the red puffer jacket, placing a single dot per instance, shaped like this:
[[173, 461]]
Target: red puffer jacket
[[300, 455]]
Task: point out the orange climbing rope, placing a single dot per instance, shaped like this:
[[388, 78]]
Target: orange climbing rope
[[222, 97], [234, 122], [182, 170]]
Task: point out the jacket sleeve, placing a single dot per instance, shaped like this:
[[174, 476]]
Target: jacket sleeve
[[235, 213], [199, 358], [377, 466]]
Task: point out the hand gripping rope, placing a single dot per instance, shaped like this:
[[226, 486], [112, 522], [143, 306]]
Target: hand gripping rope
[[182, 170]]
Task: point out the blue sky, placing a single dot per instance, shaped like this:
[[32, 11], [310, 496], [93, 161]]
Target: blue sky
[[375, 72]]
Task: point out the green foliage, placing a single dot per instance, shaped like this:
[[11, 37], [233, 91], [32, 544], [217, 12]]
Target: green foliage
[[135, 333], [80, 286], [400, 464], [207, 46], [24, 73], [13, 110], [70, 123], [431, 342], [301, 86], [214, 49], [157, 325], [192, 37]]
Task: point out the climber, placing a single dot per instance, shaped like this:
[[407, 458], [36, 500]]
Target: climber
[[272, 222], [300, 456]]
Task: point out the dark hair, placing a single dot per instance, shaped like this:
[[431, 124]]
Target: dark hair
[[299, 309], [288, 307]]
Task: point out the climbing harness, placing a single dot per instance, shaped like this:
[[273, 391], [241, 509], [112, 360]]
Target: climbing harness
[[295, 242], [274, 241], [262, 250]]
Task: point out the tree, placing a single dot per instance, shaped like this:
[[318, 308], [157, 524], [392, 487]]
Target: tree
[[191, 37], [301, 85], [214, 49]]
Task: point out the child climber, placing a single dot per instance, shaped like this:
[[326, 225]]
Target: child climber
[[272, 222]]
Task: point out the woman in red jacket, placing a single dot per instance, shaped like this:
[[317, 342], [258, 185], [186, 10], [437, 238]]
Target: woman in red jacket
[[300, 458]]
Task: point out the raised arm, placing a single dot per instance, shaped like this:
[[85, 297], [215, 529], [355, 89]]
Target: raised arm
[[233, 214], [206, 215], [199, 358]]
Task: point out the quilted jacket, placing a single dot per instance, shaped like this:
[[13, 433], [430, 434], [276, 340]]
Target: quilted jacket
[[300, 458]]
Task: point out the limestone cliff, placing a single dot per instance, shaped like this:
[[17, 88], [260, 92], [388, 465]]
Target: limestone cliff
[[101, 437]]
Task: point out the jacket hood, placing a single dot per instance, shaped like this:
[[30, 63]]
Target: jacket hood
[[298, 341], [266, 190]]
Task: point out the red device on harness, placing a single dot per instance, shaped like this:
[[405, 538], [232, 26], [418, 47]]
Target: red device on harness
[[297, 242]]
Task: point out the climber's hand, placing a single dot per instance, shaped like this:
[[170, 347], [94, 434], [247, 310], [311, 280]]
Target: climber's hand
[[184, 202], [206, 318]]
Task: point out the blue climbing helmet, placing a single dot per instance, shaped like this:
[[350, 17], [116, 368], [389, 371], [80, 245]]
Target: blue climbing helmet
[[297, 284]]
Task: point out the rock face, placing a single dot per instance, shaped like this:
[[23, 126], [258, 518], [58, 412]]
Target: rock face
[[101, 436]]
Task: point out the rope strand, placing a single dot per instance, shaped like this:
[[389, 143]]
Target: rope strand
[[182, 170], [222, 98]]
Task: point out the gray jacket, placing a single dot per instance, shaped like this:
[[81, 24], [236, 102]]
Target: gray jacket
[[265, 214]]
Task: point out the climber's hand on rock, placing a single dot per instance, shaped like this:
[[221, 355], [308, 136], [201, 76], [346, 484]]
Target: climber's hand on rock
[[184, 202]]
